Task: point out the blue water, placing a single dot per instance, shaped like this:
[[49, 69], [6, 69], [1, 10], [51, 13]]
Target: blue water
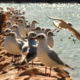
[[67, 50]]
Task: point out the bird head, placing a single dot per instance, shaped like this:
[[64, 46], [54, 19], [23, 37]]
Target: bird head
[[14, 27], [50, 33]]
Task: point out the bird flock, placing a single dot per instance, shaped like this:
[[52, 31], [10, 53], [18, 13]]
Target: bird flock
[[23, 39]]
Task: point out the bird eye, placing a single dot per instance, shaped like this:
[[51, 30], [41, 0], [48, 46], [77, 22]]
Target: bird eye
[[9, 34], [12, 34], [34, 34], [26, 34], [38, 36], [6, 30], [42, 37]]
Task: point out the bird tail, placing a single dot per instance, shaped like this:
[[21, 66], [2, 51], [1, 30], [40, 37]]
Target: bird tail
[[67, 66]]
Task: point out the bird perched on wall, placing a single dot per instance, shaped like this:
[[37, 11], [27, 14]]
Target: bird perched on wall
[[29, 48], [46, 55]]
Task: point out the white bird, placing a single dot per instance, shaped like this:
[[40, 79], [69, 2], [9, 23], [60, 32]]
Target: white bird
[[46, 55], [32, 26], [15, 29], [50, 39], [6, 40], [62, 23], [29, 48], [37, 30], [22, 29], [14, 45], [65, 25], [13, 20]]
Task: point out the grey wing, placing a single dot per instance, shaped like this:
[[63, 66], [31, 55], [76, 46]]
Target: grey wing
[[32, 54], [25, 49], [20, 44], [54, 56]]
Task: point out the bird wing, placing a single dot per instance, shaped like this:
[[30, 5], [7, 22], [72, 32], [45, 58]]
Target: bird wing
[[20, 43], [32, 53], [74, 32], [55, 19], [54, 56]]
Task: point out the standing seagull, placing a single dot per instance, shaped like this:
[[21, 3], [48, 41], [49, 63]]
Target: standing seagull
[[50, 40], [46, 55], [32, 26], [15, 29], [6, 40], [29, 48], [22, 29], [15, 45]]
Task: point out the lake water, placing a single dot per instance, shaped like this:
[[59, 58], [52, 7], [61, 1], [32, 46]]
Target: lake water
[[67, 50]]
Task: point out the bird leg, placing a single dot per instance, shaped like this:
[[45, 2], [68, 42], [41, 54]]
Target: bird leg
[[12, 58], [32, 63], [50, 71], [45, 70]]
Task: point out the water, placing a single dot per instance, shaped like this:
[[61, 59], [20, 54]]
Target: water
[[67, 50]]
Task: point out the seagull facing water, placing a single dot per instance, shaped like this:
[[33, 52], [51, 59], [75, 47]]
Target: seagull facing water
[[46, 55], [22, 29], [50, 40], [32, 26]]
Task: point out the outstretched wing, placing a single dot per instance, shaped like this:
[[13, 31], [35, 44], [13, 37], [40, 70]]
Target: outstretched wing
[[55, 19]]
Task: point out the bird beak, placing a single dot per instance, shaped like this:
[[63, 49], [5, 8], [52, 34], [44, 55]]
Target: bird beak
[[33, 29], [26, 37], [53, 35], [34, 38], [10, 27], [37, 22], [16, 20]]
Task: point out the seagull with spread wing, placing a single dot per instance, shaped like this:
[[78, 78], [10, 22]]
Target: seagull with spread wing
[[65, 25]]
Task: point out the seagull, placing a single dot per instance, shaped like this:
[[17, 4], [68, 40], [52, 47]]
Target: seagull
[[6, 40], [46, 55], [64, 25], [32, 26], [22, 29], [29, 48], [50, 40], [14, 45], [37, 30], [15, 29]]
